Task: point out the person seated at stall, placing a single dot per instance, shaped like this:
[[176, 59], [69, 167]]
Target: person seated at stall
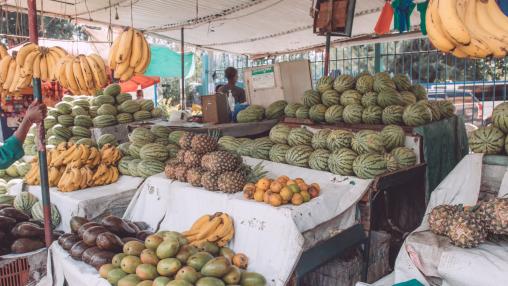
[[238, 93], [12, 149]]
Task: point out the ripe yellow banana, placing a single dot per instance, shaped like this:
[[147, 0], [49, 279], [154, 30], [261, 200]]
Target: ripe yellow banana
[[137, 49], [436, 35], [44, 68], [452, 23], [101, 69], [96, 71], [145, 58], [125, 47], [28, 65], [15, 80], [488, 23], [127, 74], [4, 68], [224, 241], [3, 51], [78, 75], [495, 13], [51, 62], [60, 72], [24, 51], [121, 68], [200, 222], [113, 50], [10, 75], [86, 71], [209, 228], [477, 48], [60, 51], [223, 230], [37, 67]]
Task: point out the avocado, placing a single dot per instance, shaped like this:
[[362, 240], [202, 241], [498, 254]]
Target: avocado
[[216, 267]]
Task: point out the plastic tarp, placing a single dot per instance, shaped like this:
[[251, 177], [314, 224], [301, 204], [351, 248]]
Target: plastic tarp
[[167, 63]]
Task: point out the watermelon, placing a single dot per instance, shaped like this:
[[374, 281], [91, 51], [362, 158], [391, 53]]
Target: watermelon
[[372, 115], [129, 106], [278, 153], [49, 122], [173, 150], [393, 136], [157, 112], [154, 151], [261, 149], [299, 155], [338, 139], [250, 114], [24, 202], [162, 141], [133, 167], [104, 121], [174, 136], [124, 117], [391, 163], [302, 112], [350, 97], [402, 82], [416, 115], [55, 140], [343, 83], [228, 143], [54, 112], [290, 109], [83, 121], [388, 97], [365, 83], [407, 98], [382, 81], [64, 107], [38, 214], [500, 117], [299, 136], [104, 99], [146, 104], [325, 83], [82, 132], [341, 161], [405, 157], [85, 141], [319, 139], [246, 147], [78, 110], [311, 98], [353, 114], [7, 199], [66, 120], [330, 97], [318, 160], [419, 91], [107, 109], [107, 139], [434, 109], [61, 131], [123, 97], [142, 115], [369, 99], [93, 111], [160, 131], [393, 115], [367, 141], [368, 166], [317, 113], [141, 136], [113, 89], [446, 108], [68, 98], [489, 140], [334, 114], [279, 134], [147, 168], [123, 165], [276, 109]]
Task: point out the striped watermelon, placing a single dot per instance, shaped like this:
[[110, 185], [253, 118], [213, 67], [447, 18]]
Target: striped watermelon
[[85, 141], [174, 137], [405, 157], [343, 83], [107, 109], [142, 115], [124, 147], [49, 122], [83, 121], [78, 110], [388, 97], [123, 165], [489, 140], [341, 161], [66, 120], [372, 115], [246, 147], [24, 202], [38, 214], [369, 99], [262, 147], [133, 167], [129, 106], [317, 113], [365, 84], [325, 83], [64, 107], [162, 141], [134, 150], [279, 134], [104, 121], [82, 132], [382, 81], [62, 131], [291, 108], [338, 139], [229, 143], [402, 82], [319, 139], [112, 90], [350, 97], [302, 112], [141, 136], [393, 115], [368, 166], [318, 160], [147, 168], [278, 153], [123, 97], [334, 114], [393, 136], [54, 112], [146, 104], [500, 117], [330, 97], [93, 111], [367, 141], [391, 163], [299, 155], [160, 131], [124, 117], [154, 151], [173, 150], [353, 114], [419, 91], [299, 136], [434, 109], [55, 140], [311, 97], [416, 115], [446, 108], [104, 99], [276, 109], [407, 98]]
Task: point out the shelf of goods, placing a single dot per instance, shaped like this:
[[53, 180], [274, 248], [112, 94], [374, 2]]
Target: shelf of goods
[[463, 237]]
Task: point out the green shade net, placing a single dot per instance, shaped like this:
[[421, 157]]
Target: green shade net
[[167, 63]]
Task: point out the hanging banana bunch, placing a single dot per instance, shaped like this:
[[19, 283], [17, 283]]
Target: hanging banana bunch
[[468, 28], [129, 55], [3, 51], [82, 74]]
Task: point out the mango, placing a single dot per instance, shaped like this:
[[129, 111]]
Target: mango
[[179, 283], [227, 252], [188, 274], [146, 272], [115, 275], [117, 259], [185, 252], [233, 276], [173, 234], [130, 263], [168, 266], [210, 281], [199, 259], [145, 283], [216, 267], [153, 241], [129, 280], [104, 270], [148, 256], [252, 279], [168, 248], [161, 281], [209, 247], [133, 248]]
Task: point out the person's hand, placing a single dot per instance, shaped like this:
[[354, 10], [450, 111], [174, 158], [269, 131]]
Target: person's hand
[[36, 112]]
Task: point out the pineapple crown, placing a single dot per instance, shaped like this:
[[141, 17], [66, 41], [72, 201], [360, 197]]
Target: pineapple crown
[[215, 133], [252, 174]]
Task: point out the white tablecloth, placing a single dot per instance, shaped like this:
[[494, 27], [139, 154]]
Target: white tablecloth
[[427, 255], [92, 202]]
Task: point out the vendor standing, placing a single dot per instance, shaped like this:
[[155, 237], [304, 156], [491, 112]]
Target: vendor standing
[[12, 149], [238, 93]]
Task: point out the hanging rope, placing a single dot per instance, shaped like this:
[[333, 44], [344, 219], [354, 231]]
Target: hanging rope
[[132, 17]]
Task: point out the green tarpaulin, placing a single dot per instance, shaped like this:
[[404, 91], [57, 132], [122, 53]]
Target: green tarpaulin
[[167, 63]]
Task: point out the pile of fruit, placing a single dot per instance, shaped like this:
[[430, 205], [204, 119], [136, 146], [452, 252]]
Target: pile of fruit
[[492, 139], [217, 228], [256, 113], [73, 167], [147, 152], [469, 226], [18, 169], [129, 55], [369, 99], [21, 223], [200, 164], [280, 191], [82, 74], [468, 28], [365, 154], [96, 243]]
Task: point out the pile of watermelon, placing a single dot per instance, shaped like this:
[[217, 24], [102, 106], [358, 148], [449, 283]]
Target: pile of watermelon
[[365, 154], [492, 139], [370, 99], [255, 113]]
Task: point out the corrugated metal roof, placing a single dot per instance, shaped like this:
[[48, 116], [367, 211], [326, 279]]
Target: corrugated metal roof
[[238, 26]]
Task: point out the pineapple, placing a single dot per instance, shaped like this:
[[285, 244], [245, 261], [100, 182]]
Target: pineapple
[[194, 176], [231, 182], [465, 228], [191, 159], [203, 143], [180, 156], [170, 170], [209, 181], [181, 173], [220, 161], [439, 218], [494, 214], [186, 140]]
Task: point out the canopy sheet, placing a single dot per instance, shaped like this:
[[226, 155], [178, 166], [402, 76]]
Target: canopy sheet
[[167, 63], [428, 257]]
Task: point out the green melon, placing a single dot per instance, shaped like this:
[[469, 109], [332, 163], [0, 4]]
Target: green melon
[[55, 140], [405, 157], [107, 139], [261, 149], [38, 214], [419, 91], [85, 141], [124, 147], [393, 115], [133, 167], [338, 139], [407, 98], [250, 114], [334, 114], [489, 140], [367, 141], [124, 117], [302, 112], [279, 134], [330, 97], [66, 120], [299, 155], [78, 110], [129, 106], [173, 150], [416, 115], [104, 121], [112, 90], [402, 82], [154, 151], [160, 131], [325, 83], [391, 163], [343, 83], [434, 109], [157, 112], [372, 115], [317, 113], [382, 81], [318, 160], [68, 98], [246, 147], [500, 117], [319, 139], [24, 202], [82, 102], [64, 107], [311, 98], [146, 104], [350, 97], [278, 153], [123, 165], [388, 97], [49, 122], [369, 99], [341, 161], [290, 109], [82, 132], [123, 97], [83, 121], [446, 108], [174, 136], [393, 136], [142, 115], [104, 99], [353, 114], [141, 136], [62, 131], [369, 166], [107, 109], [229, 143], [276, 109], [134, 150], [93, 111], [299, 136], [365, 84], [23, 168]]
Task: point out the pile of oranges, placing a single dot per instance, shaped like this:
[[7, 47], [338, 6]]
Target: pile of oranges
[[281, 190]]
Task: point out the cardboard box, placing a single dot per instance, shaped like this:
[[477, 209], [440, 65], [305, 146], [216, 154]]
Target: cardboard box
[[215, 109], [121, 132]]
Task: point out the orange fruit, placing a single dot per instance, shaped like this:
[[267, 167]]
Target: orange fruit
[[263, 183], [275, 200], [297, 199], [305, 195], [275, 187], [286, 195], [316, 185], [294, 188], [313, 191], [258, 195], [282, 179], [290, 182], [299, 181], [266, 196], [303, 186], [249, 186]]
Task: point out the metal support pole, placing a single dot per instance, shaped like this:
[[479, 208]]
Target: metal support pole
[[182, 58], [327, 54], [41, 146], [377, 57]]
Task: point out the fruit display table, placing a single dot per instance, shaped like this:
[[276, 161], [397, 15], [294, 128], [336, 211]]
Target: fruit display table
[[92, 202], [428, 255]]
